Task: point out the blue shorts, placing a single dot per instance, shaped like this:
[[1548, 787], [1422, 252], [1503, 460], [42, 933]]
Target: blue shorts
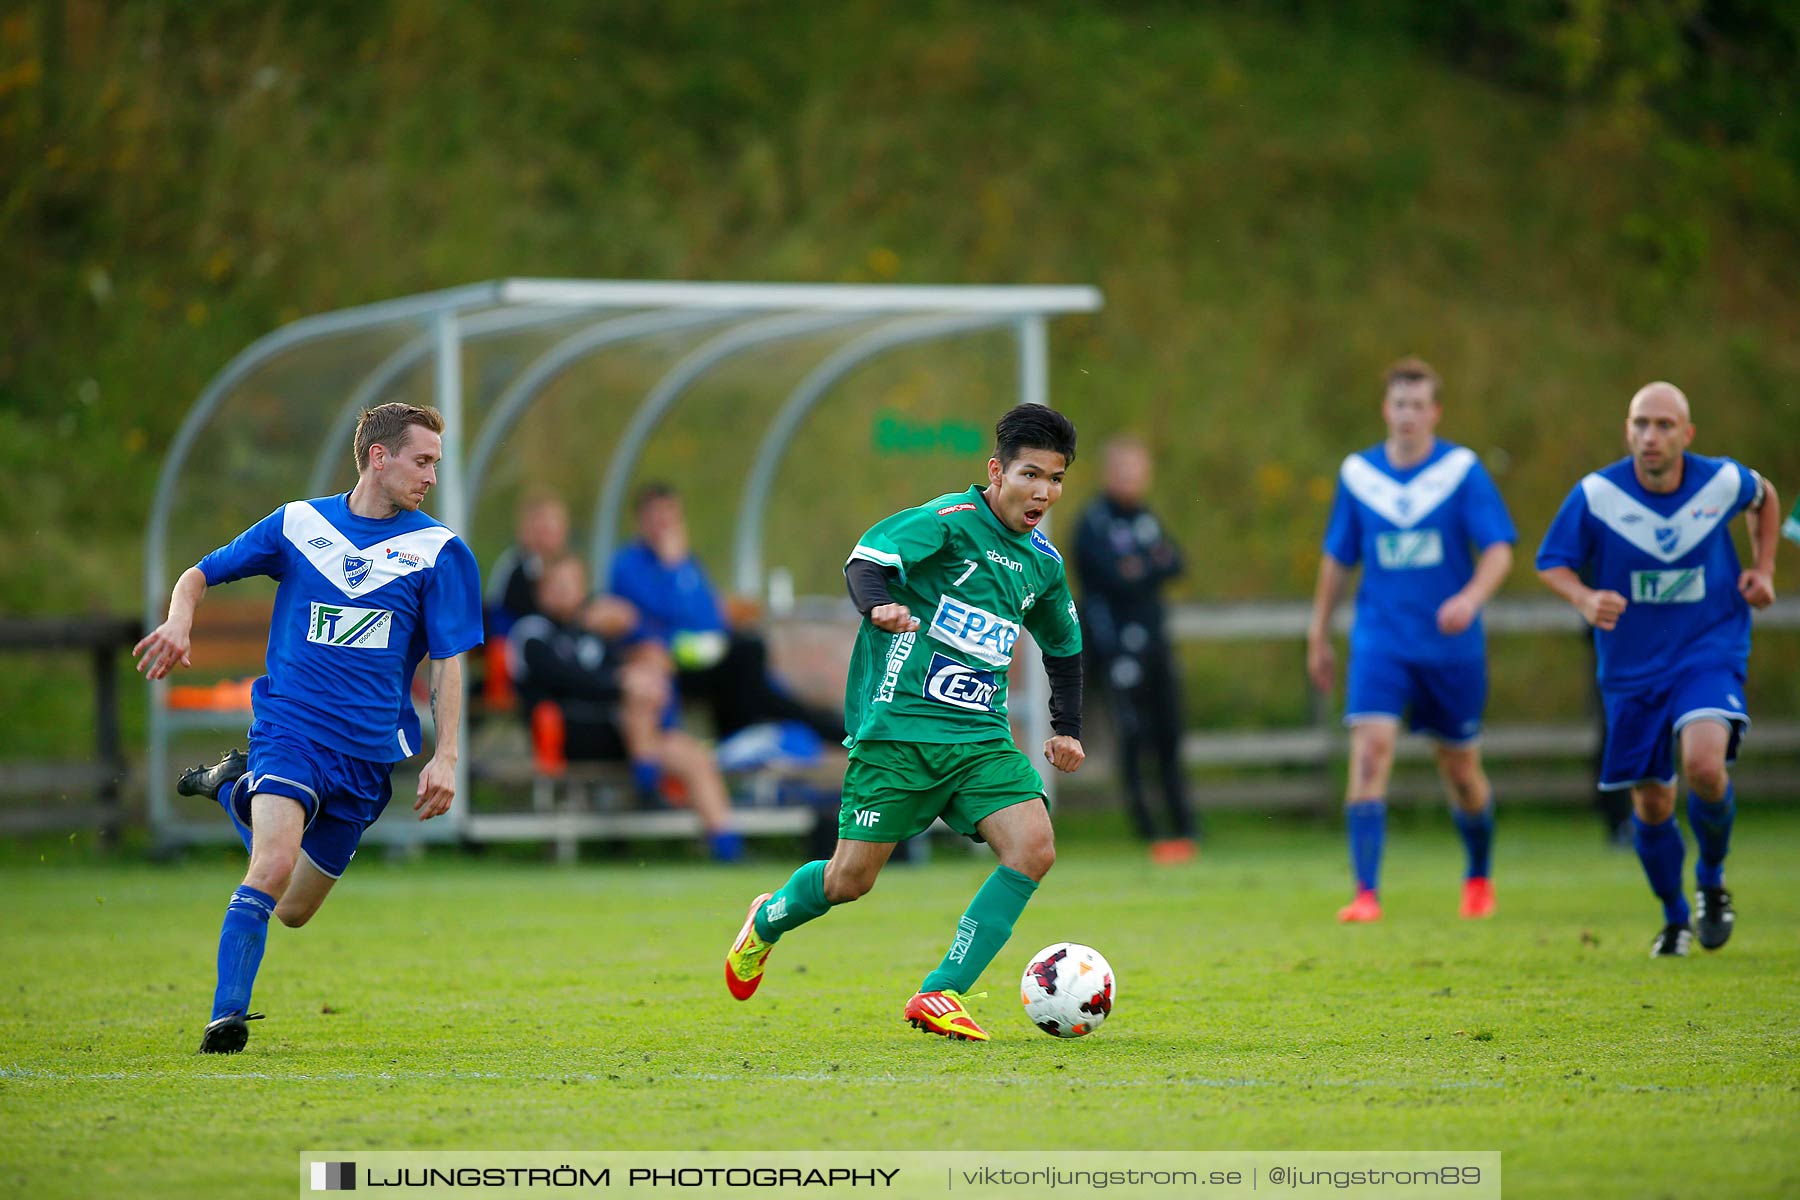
[[342, 796], [1445, 699], [1644, 725]]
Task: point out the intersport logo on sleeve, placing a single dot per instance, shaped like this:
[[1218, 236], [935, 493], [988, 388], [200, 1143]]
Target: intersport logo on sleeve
[[342, 625]]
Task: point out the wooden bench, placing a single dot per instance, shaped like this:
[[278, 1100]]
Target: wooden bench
[[592, 801]]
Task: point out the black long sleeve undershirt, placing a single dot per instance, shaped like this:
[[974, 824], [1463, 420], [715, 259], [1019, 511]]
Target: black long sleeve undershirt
[[868, 585], [1065, 693]]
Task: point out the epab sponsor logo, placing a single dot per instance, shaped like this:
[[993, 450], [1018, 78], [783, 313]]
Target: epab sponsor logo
[[974, 631], [960, 685]]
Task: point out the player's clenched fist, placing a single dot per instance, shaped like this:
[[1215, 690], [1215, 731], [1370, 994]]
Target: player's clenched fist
[[894, 618], [1602, 609], [1757, 587], [1064, 752]]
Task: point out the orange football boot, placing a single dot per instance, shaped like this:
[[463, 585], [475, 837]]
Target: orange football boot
[[943, 1013], [744, 962], [1364, 908]]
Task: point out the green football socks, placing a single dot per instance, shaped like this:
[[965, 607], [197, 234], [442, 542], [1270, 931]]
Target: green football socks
[[800, 899], [981, 932]]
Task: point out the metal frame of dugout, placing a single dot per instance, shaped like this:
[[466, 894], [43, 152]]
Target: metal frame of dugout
[[739, 317]]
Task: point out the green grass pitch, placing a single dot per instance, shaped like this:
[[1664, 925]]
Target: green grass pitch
[[464, 1003]]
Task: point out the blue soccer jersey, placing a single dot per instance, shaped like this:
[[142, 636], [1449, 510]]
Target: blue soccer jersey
[[360, 602], [1412, 530], [1670, 556]]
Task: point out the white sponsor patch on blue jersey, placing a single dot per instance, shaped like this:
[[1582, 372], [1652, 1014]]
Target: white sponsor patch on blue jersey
[[1409, 549], [1686, 586], [342, 625]]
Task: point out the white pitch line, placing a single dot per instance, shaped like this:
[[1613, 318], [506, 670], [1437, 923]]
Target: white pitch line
[[35, 1074]]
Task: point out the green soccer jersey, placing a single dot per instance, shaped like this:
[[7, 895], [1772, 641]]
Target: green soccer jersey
[[972, 583]]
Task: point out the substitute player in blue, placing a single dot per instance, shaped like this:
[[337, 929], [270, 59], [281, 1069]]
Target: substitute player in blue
[[369, 585], [1671, 615], [1424, 519]]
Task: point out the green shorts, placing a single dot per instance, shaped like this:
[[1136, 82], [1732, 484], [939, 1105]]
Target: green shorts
[[893, 790]]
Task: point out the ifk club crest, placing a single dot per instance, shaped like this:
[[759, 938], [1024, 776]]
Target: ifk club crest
[[356, 569]]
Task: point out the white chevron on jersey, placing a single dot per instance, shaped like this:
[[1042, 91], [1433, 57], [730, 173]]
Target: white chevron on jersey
[[1406, 504], [327, 549], [1666, 538]]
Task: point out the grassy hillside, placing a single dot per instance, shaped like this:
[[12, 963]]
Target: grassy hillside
[[1275, 207]]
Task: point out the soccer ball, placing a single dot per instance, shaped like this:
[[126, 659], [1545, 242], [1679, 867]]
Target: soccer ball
[[1068, 989]]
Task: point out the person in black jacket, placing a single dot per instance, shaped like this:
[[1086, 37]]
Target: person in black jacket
[[543, 535], [1124, 558], [613, 700]]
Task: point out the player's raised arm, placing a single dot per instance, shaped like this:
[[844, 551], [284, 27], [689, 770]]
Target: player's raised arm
[[1757, 583], [167, 646], [868, 585]]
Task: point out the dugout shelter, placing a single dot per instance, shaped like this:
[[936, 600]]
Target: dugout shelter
[[619, 365]]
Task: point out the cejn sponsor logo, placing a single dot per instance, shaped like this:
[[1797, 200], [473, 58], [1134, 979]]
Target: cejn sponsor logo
[[1409, 549], [959, 685], [1686, 586], [975, 631], [341, 625]]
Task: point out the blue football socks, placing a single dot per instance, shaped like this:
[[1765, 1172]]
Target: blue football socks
[[646, 777], [241, 941], [1477, 831], [1661, 850], [1711, 824], [1367, 823]]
